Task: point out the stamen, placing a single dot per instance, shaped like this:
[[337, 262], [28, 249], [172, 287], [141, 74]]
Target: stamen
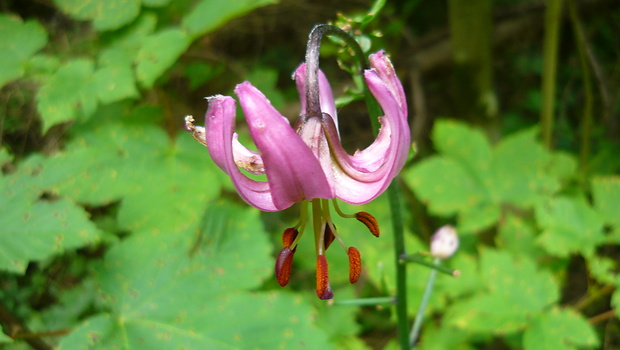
[[340, 212], [288, 237], [370, 222], [284, 265], [329, 236], [323, 289], [355, 264]]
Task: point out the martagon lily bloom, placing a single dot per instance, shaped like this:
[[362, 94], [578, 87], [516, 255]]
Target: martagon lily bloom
[[307, 163]]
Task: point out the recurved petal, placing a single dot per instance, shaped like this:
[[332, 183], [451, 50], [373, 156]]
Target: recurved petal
[[219, 125], [293, 172], [326, 97], [363, 176]]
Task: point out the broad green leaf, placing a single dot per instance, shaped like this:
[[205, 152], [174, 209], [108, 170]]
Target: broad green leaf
[[468, 146], [158, 52], [5, 338], [106, 15], [444, 185], [445, 337], [518, 237], [211, 14], [560, 329], [20, 40], [33, 228], [516, 291], [615, 298], [601, 268], [478, 217], [162, 185], [155, 3], [520, 170], [189, 290], [569, 225], [68, 94], [606, 193], [114, 80]]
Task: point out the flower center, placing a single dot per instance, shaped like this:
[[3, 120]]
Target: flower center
[[324, 234]]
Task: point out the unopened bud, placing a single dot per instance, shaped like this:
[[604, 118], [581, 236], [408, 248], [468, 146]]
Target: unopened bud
[[444, 242]]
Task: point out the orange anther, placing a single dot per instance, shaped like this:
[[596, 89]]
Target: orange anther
[[323, 289], [369, 221], [284, 265], [355, 264], [288, 236]]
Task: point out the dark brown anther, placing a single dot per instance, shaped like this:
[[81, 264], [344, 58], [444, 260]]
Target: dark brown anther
[[323, 289], [284, 264], [369, 221], [355, 264], [288, 236], [329, 236]]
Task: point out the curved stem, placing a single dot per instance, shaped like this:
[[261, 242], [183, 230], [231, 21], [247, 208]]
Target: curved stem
[[313, 106], [417, 324]]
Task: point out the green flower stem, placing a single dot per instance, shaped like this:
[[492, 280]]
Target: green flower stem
[[417, 324], [553, 16], [420, 259], [367, 301], [401, 265]]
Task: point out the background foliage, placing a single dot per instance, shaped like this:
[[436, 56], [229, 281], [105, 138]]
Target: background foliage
[[118, 232]]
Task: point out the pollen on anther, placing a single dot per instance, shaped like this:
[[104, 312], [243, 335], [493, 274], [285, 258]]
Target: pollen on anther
[[288, 236], [370, 222], [323, 290], [355, 264], [284, 264]]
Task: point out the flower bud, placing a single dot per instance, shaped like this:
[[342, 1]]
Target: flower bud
[[444, 242]]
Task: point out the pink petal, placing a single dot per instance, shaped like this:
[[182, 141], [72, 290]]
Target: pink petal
[[326, 97], [219, 125], [293, 172], [362, 177]]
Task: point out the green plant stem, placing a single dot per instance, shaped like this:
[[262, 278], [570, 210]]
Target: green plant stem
[[586, 119], [417, 324], [401, 265], [420, 259], [553, 16]]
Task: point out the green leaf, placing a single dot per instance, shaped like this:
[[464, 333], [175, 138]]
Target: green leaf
[[106, 15], [560, 329], [569, 225], [189, 290], [162, 185], [516, 291], [518, 237], [445, 185], [68, 94], [20, 40], [615, 298], [445, 338], [34, 228], [468, 146], [606, 193], [5, 338], [211, 14], [158, 52], [114, 80], [155, 3], [519, 170]]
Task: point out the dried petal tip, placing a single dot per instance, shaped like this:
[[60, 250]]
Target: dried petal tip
[[288, 236], [370, 222], [284, 264], [355, 264], [444, 242], [323, 289]]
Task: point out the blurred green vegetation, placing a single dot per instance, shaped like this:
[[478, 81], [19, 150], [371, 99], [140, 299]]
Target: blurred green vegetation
[[118, 232]]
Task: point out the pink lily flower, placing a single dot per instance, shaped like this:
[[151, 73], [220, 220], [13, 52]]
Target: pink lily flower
[[307, 163]]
